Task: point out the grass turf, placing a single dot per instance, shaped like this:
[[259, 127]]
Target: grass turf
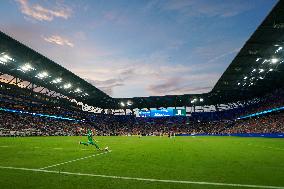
[[254, 161]]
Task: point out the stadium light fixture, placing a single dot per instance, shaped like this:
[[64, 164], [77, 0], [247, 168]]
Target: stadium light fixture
[[42, 75], [67, 86], [129, 103], [26, 68], [258, 59], [194, 100], [57, 80], [4, 58], [7, 57], [278, 49], [85, 94], [265, 60], [274, 60], [122, 104], [78, 90]]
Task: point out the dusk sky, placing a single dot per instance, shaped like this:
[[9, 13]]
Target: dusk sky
[[137, 47]]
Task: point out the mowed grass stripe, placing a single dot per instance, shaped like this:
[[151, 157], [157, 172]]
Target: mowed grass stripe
[[146, 179]]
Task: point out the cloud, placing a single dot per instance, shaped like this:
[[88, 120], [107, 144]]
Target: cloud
[[115, 17], [148, 78], [192, 84], [41, 13], [106, 86], [201, 8], [58, 40]]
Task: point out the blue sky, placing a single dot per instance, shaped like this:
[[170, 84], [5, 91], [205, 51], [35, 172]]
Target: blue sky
[[138, 47]]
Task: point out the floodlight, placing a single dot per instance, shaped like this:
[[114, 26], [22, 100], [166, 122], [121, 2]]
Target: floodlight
[[129, 103], [279, 49], [67, 86], [42, 75], [194, 100], [274, 60], [26, 67], [7, 57], [78, 90], [57, 80], [4, 58], [265, 60]]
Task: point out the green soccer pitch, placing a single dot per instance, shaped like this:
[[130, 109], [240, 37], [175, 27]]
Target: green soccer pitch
[[147, 162]]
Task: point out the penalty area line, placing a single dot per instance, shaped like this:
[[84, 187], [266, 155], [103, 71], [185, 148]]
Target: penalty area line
[[58, 164], [145, 179]]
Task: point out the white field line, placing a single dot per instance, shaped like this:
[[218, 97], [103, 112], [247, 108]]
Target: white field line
[[4, 146], [74, 160], [146, 179]]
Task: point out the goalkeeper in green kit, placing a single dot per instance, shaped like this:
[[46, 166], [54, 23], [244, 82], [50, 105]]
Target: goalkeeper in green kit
[[92, 141]]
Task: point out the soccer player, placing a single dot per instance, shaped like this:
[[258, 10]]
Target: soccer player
[[92, 141]]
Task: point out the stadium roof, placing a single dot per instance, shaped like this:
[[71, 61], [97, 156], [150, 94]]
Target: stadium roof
[[23, 62], [257, 69]]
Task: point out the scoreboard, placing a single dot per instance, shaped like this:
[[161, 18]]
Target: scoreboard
[[162, 113]]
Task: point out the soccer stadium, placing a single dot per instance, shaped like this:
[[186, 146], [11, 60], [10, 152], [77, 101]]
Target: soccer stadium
[[59, 129]]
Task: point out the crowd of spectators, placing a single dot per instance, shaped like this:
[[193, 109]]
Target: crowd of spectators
[[22, 124], [272, 123], [15, 124]]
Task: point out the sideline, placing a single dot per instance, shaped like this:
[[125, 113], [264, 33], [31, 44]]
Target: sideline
[[145, 179]]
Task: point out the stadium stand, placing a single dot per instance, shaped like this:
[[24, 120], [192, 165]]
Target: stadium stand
[[21, 124]]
